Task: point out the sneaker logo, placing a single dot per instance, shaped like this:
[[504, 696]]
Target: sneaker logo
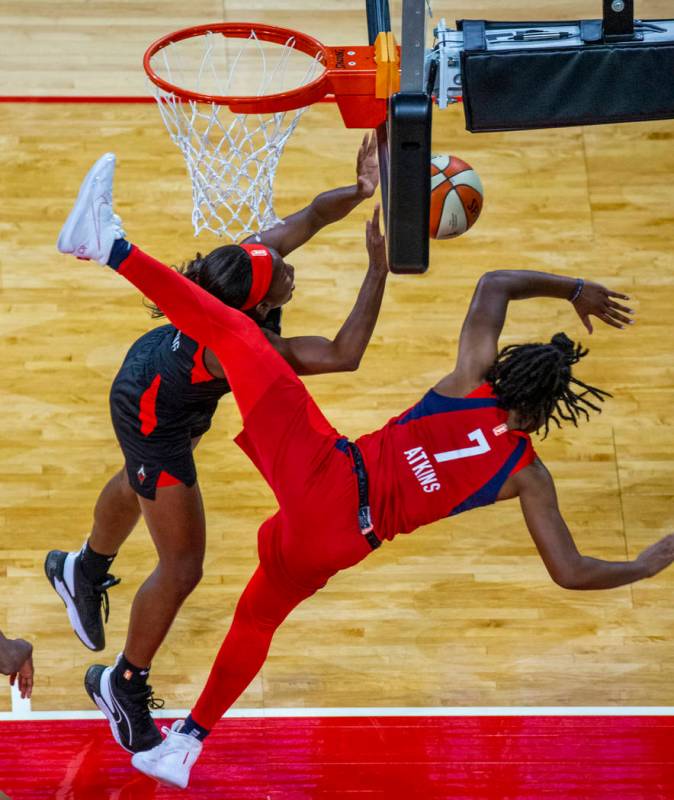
[[144, 672], [112, 710], [141, 474], [97, 206], [128, 675], [176, 342]]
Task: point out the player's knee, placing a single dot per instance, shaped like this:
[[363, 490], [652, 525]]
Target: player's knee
[[123, 485], [185, 575], [256, 618]]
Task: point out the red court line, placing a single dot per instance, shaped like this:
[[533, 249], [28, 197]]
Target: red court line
[[368, 758], [95, 99], [69, 99]]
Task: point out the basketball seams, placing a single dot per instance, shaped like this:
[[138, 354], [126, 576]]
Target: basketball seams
[[456, 197]]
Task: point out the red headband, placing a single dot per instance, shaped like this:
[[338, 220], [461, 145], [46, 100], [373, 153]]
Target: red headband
[[261, 263]]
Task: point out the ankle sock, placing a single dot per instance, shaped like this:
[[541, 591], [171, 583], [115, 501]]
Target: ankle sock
[[94, 565], [120, 250], [128, 677], [192, 728]]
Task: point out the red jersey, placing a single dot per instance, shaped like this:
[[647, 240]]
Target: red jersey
[[443, 456]]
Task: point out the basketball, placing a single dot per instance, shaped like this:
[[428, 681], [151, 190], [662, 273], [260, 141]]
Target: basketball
[[456, 197]]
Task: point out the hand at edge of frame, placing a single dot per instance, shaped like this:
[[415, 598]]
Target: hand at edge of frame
[[598, 301]]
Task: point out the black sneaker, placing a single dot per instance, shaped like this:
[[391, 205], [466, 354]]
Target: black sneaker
[[82, 598], [128, 712]]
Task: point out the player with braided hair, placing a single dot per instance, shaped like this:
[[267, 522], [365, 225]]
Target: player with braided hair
[[465, 444], [536, 380]]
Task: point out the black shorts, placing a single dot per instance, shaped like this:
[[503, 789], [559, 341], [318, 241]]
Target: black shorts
[[155, 419]]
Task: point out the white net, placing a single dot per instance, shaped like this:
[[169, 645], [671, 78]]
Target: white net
[[231, 158]]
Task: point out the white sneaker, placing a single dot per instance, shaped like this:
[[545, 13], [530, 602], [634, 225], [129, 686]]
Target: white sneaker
[[92, 226], [171, 761]]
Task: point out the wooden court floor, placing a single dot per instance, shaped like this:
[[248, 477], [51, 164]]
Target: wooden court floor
[[461, 613]]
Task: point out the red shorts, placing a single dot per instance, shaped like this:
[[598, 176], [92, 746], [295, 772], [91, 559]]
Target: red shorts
[[315, 533]]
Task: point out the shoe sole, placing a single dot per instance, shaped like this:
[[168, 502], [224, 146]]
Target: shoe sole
[[64, 244], [138, 763], [97, 689], [63, 592]]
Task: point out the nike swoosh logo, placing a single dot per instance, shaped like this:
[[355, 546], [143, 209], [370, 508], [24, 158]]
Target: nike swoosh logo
[[115, 712], [99, 202]]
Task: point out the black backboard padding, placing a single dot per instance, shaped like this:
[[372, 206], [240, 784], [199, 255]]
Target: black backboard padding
[[409, 194]]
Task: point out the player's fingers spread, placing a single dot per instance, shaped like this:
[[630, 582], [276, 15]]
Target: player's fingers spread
[[620, 318], [375, 218], [618, 307], [611, 322], [618, 294]]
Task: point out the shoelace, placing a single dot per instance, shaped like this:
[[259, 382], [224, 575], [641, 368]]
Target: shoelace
[[102, 589], [141, 703], [154, 702]]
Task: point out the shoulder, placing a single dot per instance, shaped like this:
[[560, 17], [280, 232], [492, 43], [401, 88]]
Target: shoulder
[[533, 478], [457, 384]]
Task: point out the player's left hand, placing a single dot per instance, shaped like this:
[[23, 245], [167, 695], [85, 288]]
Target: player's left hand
[[367, 169], [25, 676], [375, 241], [598, 301]]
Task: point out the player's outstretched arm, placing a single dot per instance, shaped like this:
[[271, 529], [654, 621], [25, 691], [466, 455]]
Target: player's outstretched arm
[[327, 207], [478, 343], [314, 355], [567, 567]]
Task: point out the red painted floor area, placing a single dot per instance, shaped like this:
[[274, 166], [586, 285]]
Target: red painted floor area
[[462, 758]]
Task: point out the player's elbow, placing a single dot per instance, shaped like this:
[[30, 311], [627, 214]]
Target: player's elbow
[[566, 572], [495, 278], [565, 581], [567, 576], [343, 358], [494, 282], [348, 363]]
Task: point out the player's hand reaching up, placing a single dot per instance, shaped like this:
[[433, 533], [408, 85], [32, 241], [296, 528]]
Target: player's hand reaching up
[[367, 169], [376, 243], [598, 301], [658, 556]]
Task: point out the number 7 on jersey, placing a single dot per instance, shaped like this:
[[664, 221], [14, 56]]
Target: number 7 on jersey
[[481, 446]]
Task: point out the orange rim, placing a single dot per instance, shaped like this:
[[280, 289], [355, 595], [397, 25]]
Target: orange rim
[[305, 95]]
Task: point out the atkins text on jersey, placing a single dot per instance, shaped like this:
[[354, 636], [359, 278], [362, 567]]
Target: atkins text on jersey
[[422, 469]]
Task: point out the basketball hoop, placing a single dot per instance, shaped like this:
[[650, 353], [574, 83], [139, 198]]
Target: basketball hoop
[[230, 96]]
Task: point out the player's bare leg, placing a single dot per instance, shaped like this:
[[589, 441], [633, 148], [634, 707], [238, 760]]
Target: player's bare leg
[[116, 514], [81, 578]]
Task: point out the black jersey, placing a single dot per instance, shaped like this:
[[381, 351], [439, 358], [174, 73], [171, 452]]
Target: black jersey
[[162, 398]]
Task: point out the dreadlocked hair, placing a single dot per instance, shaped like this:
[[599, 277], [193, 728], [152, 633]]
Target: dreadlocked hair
[[536, 381], [225, 272]]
